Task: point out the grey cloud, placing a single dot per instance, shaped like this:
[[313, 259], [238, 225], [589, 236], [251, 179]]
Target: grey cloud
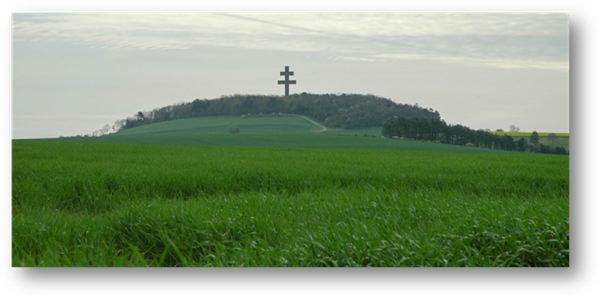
[[510, 39]]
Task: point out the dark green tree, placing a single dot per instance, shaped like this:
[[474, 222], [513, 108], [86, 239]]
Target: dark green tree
[[535, 140], [521, 144]]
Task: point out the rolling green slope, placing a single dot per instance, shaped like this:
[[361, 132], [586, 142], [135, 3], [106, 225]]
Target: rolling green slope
[[253, 125], [264, 131]]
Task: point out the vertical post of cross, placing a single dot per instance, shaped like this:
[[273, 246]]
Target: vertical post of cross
[[286, 81]]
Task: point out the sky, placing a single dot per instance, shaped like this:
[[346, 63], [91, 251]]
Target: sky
[[73, 73]]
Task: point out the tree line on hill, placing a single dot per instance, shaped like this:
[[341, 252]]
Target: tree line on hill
[[438, 130], [347, 111]]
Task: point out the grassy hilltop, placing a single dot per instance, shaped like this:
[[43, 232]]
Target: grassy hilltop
[[346, 111], [282, 191]]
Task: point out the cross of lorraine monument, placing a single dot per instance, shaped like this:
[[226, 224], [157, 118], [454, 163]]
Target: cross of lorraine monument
[[286, 82]]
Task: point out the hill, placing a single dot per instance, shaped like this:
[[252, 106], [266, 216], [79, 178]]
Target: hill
[[348, 111], [324, 111], [263, 131]]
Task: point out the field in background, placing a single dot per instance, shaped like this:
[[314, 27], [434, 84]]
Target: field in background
[[282, 131], [528, 134], [561, 139], [81, 203], [264, 131]]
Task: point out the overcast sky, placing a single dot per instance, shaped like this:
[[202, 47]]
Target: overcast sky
[[73, 73]]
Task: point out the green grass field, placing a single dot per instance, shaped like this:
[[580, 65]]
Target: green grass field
[[161, 196]]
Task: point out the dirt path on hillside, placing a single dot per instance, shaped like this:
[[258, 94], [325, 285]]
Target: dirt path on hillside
[[322, 128]]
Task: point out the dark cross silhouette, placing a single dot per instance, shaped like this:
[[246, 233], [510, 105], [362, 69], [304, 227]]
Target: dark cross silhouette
[[286, 82]]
